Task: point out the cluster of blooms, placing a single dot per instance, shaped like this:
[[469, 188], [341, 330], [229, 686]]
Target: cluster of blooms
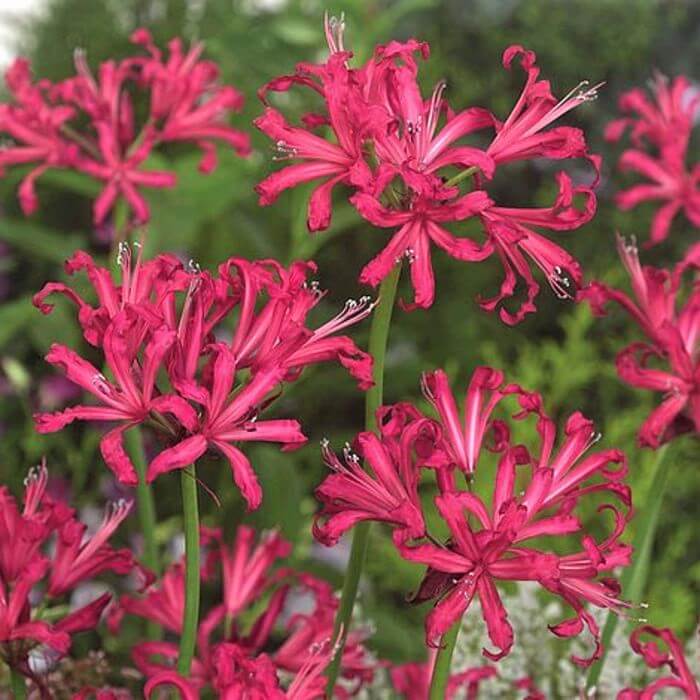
[[660, 133], [234, 654], [166, 320], [44, 555], [670, 320], [87, 122], [389, 146], [487, 540]]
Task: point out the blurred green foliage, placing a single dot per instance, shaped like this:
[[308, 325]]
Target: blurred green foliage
[[561, 351]]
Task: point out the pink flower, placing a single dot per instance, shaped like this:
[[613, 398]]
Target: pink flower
[[163, 320], [35, 125], [463, 438], [524, 134], [230, 655], [41, 554], [668, 362], [654, 656], [78, 558], [389, 494], [128, 400], [420, 226], [87, 123], [398, 157], [412, 681], [663, 126], [245, 569], [489, 539], [510, 232]]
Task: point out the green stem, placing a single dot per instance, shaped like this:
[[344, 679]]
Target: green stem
[[443, 661], [190, 511], [18, 685], [378, 335], [634, 577], [463, 175], [147, 513]]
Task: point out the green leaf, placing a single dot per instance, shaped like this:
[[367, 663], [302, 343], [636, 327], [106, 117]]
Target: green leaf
[[14, 315], [39, 241]]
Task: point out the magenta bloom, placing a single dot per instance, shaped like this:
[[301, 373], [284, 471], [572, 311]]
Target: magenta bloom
[[282, 639], [654, 656], [42, 554], [668, 362], [163, 321], [390, 493], [408, 166], [490, 539], [87, 122], [660, 132]]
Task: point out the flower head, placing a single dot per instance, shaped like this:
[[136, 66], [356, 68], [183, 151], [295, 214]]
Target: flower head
[[660, 131], [87, 122], [157, 333], [669, 361], [405, 160], [490, 538]]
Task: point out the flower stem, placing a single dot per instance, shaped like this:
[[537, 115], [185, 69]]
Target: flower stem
[[190, 511], [378, 335], [443, 661], [634, 577], [147, 512], [18, 685], [463, 175]]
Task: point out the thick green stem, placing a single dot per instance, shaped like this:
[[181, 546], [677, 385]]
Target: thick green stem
[[190, 512], [443, 661], [147, 512], [18, 685], [634, 577], [378, 335]]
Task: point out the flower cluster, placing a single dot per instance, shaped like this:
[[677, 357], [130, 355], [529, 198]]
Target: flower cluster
[[87, 122], [670, 321], [45, 553], [290, 636], [407, 165], [534, 495], [168, 319], [660, 132]]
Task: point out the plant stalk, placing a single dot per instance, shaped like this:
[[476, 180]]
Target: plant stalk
[[190, 622], [378, 336], [634, 577], [443, 661], [18, 685]]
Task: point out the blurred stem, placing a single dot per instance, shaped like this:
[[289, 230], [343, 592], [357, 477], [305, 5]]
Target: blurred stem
[[18, 685], [378, 336], [443, 661], [147, 512], [190, 513], [634, 577], [455, 180]]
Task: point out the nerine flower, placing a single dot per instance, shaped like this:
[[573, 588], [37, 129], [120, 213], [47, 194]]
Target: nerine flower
[[660, 131], [669, 361], [489, 538], [290, 634], [157, 335], [406, 165], [87, 122], [43, 557], [680, 677], [389, 493]]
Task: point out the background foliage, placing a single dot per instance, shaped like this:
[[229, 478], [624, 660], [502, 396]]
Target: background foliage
[[561, 351]]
